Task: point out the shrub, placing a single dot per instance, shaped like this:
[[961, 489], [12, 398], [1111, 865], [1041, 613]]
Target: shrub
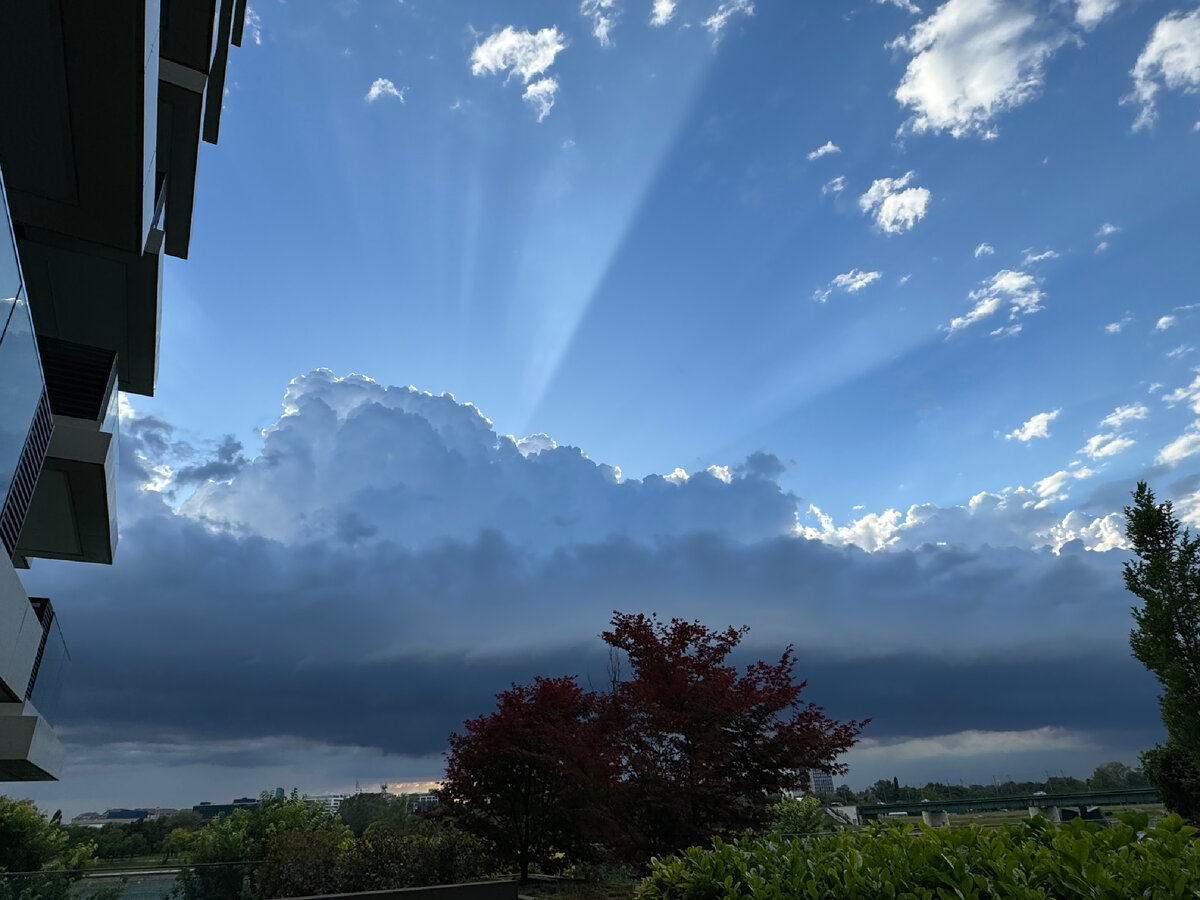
[[1021, 862], [382, 859], [299, 863], [795, 817]]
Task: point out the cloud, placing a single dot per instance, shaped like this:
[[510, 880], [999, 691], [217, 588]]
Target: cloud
[[1090, 13], [973, 60], [906, 5], [1189, 395], [1180, 351], [1187, 444], [662, 13], [604, 15], [984, 249], [1164, 323], [540, 95], [824, 150], [834, 185], [717, 22], [1170, 59], [970, 743], [387, 557], [1053, 487], [848, 282], [384, 87], [1016, 290], [896, 207], [1118, 326], [1122, 414], [526, 55], [1101, 247], [1100, 446], [1037, 426], [253, 24], [1108, 228], [1031, 257]]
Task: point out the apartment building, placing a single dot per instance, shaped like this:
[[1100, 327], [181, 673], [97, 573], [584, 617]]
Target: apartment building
[[103, 109]]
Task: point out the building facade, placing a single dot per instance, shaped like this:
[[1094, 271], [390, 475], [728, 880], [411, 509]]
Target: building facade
[[104, 107]]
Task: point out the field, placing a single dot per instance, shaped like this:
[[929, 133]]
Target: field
[[996, 818]]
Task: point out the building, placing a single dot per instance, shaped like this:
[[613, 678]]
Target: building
[[331, 802], [820, 782], [212, 810], [121, 816], [104, 108]]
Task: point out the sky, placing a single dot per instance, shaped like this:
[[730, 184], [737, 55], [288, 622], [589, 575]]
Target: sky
[[852, 322]]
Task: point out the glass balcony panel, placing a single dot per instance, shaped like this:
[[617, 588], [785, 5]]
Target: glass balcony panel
[[20, 389], [10, 269], [47, 689]]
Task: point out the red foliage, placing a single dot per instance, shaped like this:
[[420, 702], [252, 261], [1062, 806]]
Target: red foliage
[[702, 746]]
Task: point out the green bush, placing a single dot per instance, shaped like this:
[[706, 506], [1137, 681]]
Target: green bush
[[1019, 862], [382, 859], [795, 817]]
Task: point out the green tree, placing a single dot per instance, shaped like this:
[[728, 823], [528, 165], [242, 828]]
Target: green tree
[[804, 816], [31, 844], [1165, 577]]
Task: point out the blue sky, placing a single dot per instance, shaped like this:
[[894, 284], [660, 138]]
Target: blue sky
[[906, 299]]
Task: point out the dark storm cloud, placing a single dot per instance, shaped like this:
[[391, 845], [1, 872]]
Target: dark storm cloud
[[388, 563]]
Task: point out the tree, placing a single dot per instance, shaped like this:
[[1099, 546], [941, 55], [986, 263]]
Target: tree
[[526, 776], [31, 844], [701, 746], [791, 817], [1166, 640]]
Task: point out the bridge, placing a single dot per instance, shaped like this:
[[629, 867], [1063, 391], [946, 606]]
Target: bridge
[[1136, 797]]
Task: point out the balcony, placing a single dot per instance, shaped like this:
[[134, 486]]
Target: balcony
[[73, 514]]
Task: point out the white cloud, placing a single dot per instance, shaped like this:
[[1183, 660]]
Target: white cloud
[[383, 87], [253, 24], [834, 185], [1108, 228], [897, 207], [966, 744], [824, 150], [972, 60], [522, 53], [663, 12], [1012, 518], [1006, 331], [984, 249], [848, 282], [1101, 247], [1018, 290], [1038, 426], [906, 5], [1171, 59], [1164, 323], [1189, 395], [1031, 257], [540, 95], [1180, 351], [1123, 414], [1090, 13], [1187, 444], [1116, 327], [604, 15], [727, 10], [1100, 446], [1053, 487]]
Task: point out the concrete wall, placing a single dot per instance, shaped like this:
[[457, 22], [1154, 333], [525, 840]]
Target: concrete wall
[[476, 890]]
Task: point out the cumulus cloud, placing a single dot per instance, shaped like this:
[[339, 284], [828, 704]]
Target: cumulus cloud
[[387, 557], [384, 87], [1123, 414], [834, 185], [896, 207], [1187, 444], [662, 12], [1017, 291], [824, 150], [973, 60], [1180, 351], [1031, 257], [1170, 59], [984, 249], [906, 5], [253, 24], [1107, 229], [1117, 326], [848, 282], [1164, 323], [1189, 394], [603, 14], [1090, 13], [1103, 445], [717, 22], [1053, 487], [1038, 426], [524, 54]]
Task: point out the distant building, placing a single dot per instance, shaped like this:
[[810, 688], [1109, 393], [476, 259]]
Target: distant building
[[819, 782], [212, 810], [331, 802], [121, 816]]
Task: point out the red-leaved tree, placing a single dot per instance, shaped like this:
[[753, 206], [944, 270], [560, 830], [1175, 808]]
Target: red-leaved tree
[[532, 776], [701, 746]]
